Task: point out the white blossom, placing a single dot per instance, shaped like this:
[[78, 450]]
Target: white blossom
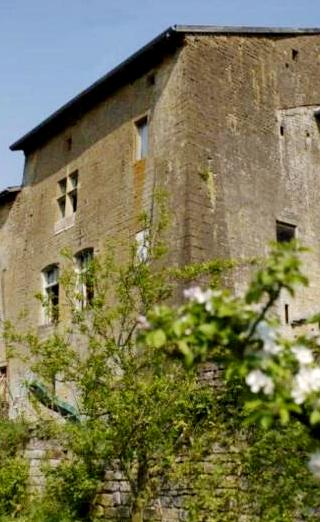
[[195, 293], [268, 336], [314, 464], [143, 323], [306, 381], [209, 307], [303, 355], [259, 381]]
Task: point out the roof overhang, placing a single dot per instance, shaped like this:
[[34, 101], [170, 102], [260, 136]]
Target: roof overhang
[[9, 194], [137, 64]]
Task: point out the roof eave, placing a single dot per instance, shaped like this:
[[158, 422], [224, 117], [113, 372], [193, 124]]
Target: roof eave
[[216, 29], [131, 68], [140, 61], [9, 193]]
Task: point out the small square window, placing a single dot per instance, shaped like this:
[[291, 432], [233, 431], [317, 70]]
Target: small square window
[[142, 138], [285, 232]]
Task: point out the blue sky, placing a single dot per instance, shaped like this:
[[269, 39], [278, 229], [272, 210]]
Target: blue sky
[[51, 50]]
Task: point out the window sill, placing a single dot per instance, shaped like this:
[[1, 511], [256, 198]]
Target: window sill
[[64, 223]]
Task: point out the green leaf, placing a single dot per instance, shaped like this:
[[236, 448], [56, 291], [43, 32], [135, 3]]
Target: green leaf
[[315, 417], [284, 415], [266, 421], [157, 338], [208, 329]]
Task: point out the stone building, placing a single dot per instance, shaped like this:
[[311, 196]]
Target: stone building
[[226, 119]]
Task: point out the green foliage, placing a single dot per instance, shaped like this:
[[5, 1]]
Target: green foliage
[[279, 485], [14, 468], [241, 334], [138, 408], [143, 415]]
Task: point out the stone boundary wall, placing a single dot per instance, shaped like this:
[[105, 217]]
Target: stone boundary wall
[[113, 500]]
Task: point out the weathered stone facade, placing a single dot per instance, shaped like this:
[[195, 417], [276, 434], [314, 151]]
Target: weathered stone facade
[[233, 137]]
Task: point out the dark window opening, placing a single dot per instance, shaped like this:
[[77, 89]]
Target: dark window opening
[[69, 143], [285, 232], [295, 54], [4, 393], [151, 79], [74, 179], [282, 130], [63, 185], [73, 200], [287, 65], [53, 302], [62, 206], [286, 313]]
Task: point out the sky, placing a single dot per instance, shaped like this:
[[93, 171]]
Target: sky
[[52, 50]]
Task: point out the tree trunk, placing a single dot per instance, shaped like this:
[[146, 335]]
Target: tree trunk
[[142, 479]]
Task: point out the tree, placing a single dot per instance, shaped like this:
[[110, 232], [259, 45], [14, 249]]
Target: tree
[[277, 379], [143, 414], [136, 410]]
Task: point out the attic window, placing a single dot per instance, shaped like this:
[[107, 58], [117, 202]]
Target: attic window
[[285, 232], [151, 79], [69, 143]]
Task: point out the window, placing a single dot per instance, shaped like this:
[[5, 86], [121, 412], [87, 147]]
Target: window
[[85, 287], [285, 232], [68, 195], [286, 313], [4, 403], [51, 294], [142, 245], [69, 143], [142, 138]]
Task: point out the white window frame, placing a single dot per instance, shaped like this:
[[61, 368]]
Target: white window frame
[[142, 239], [50, 308], [83, 258]]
